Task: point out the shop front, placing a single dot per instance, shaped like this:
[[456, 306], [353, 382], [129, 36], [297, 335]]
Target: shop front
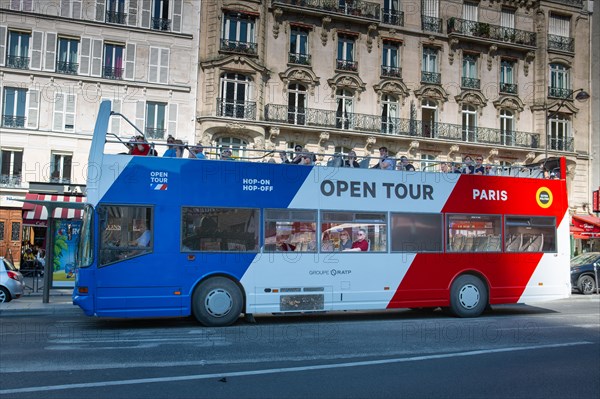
[[585, 230]]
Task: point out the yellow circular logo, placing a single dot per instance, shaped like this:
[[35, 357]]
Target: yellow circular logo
[[544, 197]]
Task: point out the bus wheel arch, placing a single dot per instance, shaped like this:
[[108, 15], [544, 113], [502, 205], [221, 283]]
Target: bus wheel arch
[[217, 301], [469, 295]]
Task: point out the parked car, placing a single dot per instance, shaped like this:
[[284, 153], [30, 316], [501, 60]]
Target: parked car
[[11, 281], [582, 272]]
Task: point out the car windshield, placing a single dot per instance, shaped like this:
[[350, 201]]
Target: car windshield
[[8, 265], [584, 259]]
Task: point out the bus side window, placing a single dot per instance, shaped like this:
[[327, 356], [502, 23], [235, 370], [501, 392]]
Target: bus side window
[[289, 230], [126, 232]]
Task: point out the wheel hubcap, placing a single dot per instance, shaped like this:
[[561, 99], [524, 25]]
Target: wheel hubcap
[[2, 297], [469, 296], [218, 303]]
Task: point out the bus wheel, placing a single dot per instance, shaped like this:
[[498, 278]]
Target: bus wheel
[[468, 296], [217, 302]]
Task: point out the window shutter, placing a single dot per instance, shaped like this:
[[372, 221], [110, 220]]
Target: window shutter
[[132, 14], [85, 56], [139, 115], [50, 56], [2, 45], [59, 106], [146, 4], [96, 58], [33, 108], [130, 61], [36, 50], [177, 13], [164, 66], [70, 113], [153, 64], [172, 127], [115, 122], [100, 10]]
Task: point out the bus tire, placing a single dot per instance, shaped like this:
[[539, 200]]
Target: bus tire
[[217, 302], [468, 296]]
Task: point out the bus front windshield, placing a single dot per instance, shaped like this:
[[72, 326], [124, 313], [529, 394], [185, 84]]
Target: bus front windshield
[[85, 250]]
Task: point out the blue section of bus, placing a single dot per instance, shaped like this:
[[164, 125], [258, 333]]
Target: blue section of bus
[[147, 285]]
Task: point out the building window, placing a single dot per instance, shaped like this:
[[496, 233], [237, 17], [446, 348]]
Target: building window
[[64, 112], [235, 90], [390, 110], [429, 66], [299, 47], [13, 112], [469, 72], [156, 119], [429, 118], [430, 20], [238, 33], [60, 167], [559, 81], [469, 123], [2, 231], [390, 63], [345, 55], [507, 128], [15, 233], [18, 50], [507, 73], [560, 133], [559, 33], [344, 117], [115, 12], [12, 164], [160, 15], [296, 104], [392, 14], [113, 61], [67, 61]]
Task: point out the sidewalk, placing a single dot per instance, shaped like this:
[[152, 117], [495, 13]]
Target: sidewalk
[[31, 304]]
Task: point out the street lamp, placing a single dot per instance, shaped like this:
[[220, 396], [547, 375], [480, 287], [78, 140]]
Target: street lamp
[[581, 96]]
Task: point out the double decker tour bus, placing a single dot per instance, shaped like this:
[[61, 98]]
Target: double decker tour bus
[[218, 239]]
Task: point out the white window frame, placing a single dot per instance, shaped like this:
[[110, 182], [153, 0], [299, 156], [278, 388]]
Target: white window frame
[[390, 112], [430, 59], [507, 127], [469, 122], [62, 176], [238, 19]]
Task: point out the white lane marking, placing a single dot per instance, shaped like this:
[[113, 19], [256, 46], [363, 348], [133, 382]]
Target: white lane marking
[[284, 370]]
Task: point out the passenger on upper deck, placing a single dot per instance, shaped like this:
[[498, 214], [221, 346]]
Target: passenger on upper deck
[[384, 161], [351, 161], [297, 155], [226, 155], [479, 168], [444, 167], [284, 157], [171, 151], [361, 244], [307, 159], [139, 146], [196, 152], [404, 164], [468, 168]]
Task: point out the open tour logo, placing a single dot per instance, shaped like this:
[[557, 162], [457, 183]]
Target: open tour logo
[[544, 197]]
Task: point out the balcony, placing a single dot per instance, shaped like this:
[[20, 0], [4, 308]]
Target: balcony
[[112, 72], [566, 144], [390, 17], [17, 62], [161, 24], [508, 88], [559, 92], [344, 65], [470, 83], [431, 77], [299, 59], [69, 68], [391, 72], [115, 17], [13, 121], [355, 8], [10, 181], [236, 109], [319, 118], [155, 133], [485, 32], [561, 43], [234, 46], [431, 24]]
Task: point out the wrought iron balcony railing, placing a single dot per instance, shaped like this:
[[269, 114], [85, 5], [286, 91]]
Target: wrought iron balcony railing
[[561, 43], [70, 68], [115, 17], [488, 31], [13, 121], [236, 109], [431, 77], [155, 133], [345, 65], [161, 24], [358, 8], [470, 83], [17, 62], [112, 72], [391, 72], [508, 88], [390, 17], [562, 144], [298, 58], [431, 24], [559, 92], [311, 117], [239, 47], [10, 180]]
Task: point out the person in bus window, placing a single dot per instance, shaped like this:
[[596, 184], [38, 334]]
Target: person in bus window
[[345, 242], [361, 244], [326, 243], [479, 168], [384, 162], [143, 239], [283, 245]]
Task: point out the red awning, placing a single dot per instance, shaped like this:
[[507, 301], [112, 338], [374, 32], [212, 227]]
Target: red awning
[[33, 214], [585, 227]]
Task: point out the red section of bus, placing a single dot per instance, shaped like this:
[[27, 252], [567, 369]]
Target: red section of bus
[[487, 195], [427, 281]]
